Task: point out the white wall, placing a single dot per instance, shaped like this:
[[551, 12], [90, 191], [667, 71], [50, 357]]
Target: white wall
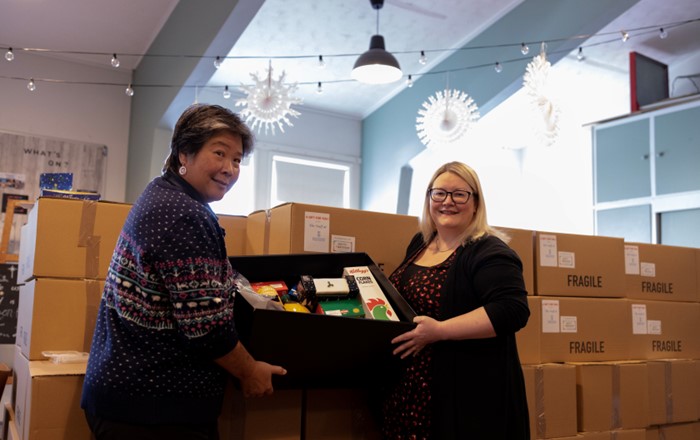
[[89, 113]]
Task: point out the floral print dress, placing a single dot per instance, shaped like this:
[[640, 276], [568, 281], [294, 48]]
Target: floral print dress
[[407, 409]]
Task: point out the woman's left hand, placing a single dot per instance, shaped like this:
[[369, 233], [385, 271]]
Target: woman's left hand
[[411, 343]]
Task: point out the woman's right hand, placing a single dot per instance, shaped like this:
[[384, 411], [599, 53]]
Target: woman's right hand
[[258, 381]]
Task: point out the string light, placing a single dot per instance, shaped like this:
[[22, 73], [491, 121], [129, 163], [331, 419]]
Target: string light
[[321, 63], [9, 55], [129, 91], [114, 61], [498, 67], [227, 93], [217, 62], [423, 59], [663, 34], [579, 55], [409, 81], [524, 49], [319, 88], [625, 36], [31, 86]]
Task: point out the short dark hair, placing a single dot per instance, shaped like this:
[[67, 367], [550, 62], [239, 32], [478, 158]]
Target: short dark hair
[[199, 123]]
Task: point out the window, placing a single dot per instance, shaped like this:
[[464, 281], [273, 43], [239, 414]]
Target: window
[[309, 181]]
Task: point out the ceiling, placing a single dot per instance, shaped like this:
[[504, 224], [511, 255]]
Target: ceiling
[[330, 28]]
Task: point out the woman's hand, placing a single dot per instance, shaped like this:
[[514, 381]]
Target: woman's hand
[[426, 332], [258, 382]]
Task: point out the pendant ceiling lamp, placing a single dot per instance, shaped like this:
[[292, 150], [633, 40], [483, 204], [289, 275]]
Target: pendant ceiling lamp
[[376, 66]]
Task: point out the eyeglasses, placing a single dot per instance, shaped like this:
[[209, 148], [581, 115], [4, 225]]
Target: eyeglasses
[[459, 196]]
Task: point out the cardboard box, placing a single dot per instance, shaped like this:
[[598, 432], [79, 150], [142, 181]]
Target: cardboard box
[[612, 396], [57, 314], [663, 329], [295, 228], [235, 228], [618, 434], [522, 242], [551, 399], [673, 385], [275, 417], [579, 265], [574, 330], [339, 414], [680, 431], [318, 350], [66, 238], [660, 272], [48, 400]]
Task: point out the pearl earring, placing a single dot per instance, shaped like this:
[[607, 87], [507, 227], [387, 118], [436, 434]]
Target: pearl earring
[[182, 170]]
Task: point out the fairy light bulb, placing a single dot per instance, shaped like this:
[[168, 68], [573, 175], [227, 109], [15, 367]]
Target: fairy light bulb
[[524, 49], [625, 36], [319, 89], [9, 55], [321, 63], [423, 59], [217, 62], [115, 61], [129, 91], [663, 34], [227, 93], [409, 81], [579, 55], [32, 85], [498, 67]]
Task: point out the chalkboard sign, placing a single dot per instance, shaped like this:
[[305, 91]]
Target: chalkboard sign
[[9, 299]]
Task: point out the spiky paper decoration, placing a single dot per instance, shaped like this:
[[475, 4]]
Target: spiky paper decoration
[[268, 102], [536, 86], [445, 117]]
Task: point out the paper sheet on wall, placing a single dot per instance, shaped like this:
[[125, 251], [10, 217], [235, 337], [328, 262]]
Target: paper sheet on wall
[[317, 227]]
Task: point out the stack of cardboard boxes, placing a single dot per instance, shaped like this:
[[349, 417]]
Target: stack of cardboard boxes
[[613, 339]]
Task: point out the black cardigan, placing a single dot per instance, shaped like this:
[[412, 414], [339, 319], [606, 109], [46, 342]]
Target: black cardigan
[[478, 386]]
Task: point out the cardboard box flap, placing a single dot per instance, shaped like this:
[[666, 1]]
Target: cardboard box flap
[[48, 368]]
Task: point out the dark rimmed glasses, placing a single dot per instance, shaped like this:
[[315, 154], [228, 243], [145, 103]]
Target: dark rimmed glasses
[[459, 196]]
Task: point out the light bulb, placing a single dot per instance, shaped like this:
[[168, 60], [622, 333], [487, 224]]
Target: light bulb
[[31, 86], [217, 62], [9, 55], [498, 67], [625, 36], [409, 81], [663, 34], [227, 93], [319, 89], [579, 55], [115, 61], [423, 59], [524, 49], [321, 63], [129, 91]]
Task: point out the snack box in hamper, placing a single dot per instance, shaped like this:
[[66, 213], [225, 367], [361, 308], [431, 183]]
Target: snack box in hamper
[[579, 265], [660, 272], [318, 351]]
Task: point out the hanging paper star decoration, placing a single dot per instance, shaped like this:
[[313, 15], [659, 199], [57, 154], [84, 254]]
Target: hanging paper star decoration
[[446, 117], [538, 90], [268, 102]]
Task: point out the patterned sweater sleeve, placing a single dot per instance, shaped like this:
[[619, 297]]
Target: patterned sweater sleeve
[[198, 277]]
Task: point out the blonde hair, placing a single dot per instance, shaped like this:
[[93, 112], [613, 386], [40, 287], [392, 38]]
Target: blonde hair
[[479, 225]]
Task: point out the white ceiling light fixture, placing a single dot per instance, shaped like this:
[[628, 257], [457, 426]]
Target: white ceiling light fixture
[[268, 102], [376, 66]]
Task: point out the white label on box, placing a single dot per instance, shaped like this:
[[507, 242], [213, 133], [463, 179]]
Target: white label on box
[[654, 327], [639, 319], [342, 243], [569, 324], [316, 231], [631, 259], [550, 316], [548, 250], [648, 269], [567, 259]]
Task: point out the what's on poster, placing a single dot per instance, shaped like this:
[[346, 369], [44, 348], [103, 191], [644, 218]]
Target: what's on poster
[[23, 158]]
